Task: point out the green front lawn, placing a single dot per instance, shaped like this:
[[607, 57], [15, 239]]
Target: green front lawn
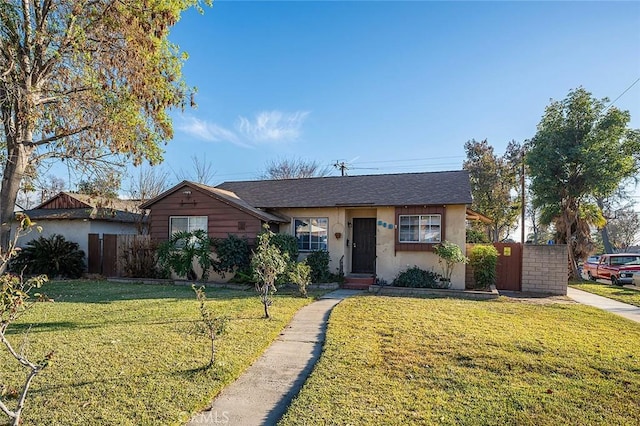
[[621, 294], [124, 355], [398, 361]]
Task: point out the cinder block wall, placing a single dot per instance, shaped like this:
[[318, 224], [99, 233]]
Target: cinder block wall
[[545, 269]]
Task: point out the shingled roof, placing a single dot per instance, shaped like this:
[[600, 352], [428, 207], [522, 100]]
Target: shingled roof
[[73, 206], [431, 188], [105, 214], [222, 195]]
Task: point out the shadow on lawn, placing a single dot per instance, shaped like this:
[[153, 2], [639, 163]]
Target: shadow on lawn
[[46, 326], [106, 292]]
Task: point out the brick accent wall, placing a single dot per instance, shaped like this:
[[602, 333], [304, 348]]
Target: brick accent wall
[[545, 269]]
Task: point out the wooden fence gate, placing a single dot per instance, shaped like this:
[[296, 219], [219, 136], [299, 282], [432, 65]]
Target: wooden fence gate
[[508, 270], [104, 255]]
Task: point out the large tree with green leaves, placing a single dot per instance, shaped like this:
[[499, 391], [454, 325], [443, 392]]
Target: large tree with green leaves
[[494, 181], [582, 150], [84, 81]]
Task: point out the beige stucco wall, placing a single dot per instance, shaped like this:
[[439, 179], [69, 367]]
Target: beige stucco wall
[[337, 223], [388, 262]]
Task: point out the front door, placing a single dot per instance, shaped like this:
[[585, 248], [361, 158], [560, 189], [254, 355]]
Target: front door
[[363, 251]]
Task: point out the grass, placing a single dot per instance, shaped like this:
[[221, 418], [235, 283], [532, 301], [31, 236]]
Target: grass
[[124, 355], [621, 294], [399, 361]]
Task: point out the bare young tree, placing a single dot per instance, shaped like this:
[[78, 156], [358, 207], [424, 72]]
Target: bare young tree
[[624, 229], [15, 300], [201, 172], [295, 168], [149, 182]]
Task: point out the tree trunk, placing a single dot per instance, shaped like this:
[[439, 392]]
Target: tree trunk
[[572, 259], [17, 161], [604, 232], [608, 248], [266, 309]]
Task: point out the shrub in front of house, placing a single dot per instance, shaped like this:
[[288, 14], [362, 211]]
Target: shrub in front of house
[[415, 277], [233, 254], [318, 261], [179, 252], [299, 273], [286, 244], [138, 256], [483, 258], [53, 256]]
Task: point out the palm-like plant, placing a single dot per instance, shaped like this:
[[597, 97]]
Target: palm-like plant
[[53, 256]]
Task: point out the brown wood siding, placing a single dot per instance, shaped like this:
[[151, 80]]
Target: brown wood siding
[[64, 201], [416, 210], [223, 219]]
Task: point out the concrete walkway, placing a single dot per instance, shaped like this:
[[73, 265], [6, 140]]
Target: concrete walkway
[[263, 392], [628, 311]]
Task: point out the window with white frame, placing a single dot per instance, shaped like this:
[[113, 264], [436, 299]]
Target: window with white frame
[[187, 224], [424, 228], [311, 233]]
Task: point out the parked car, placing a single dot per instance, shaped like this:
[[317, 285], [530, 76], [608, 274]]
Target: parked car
[[636, 279], [617, 267]]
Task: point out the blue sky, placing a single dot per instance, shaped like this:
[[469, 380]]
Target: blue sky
[[389, 86]]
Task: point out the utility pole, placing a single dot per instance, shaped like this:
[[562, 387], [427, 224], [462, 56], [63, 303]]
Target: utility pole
[[523, 199], [342, 166]]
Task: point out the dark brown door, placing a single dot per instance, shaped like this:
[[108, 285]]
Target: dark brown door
[[363, 251], [509, 266]]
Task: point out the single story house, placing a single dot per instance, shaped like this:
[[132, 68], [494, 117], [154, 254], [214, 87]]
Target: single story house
[[376, 225], [75, 216]]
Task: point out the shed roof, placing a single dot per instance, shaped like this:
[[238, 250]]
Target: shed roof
[[223, 195], [105, 214]]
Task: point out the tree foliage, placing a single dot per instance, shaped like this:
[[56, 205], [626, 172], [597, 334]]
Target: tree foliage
[[85, 81], [449, 254], [582, 150], [493, 180]]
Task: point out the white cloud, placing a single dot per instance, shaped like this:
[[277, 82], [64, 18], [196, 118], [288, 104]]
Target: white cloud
[[272, 126], [207, 131], [267, 126]]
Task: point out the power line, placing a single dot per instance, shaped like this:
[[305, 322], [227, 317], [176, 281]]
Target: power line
[[412, 159], [621, 94]]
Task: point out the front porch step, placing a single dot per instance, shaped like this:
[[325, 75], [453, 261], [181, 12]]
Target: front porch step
[[358, 281]]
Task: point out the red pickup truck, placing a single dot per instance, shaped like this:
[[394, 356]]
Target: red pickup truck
[[617, 267]]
